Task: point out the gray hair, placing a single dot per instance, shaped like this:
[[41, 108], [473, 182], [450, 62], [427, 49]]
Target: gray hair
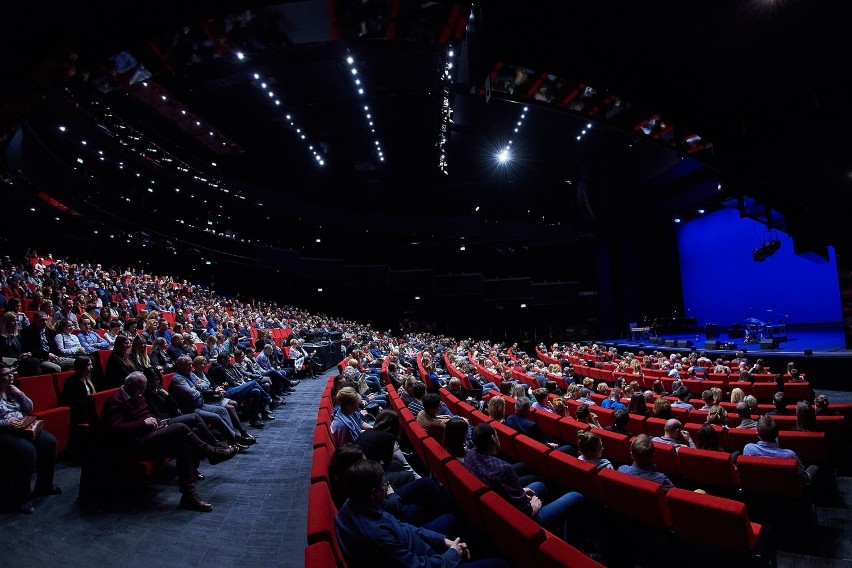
[[522, 405], [136, 378]]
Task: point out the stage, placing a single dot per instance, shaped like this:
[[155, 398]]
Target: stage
[[818, 350]]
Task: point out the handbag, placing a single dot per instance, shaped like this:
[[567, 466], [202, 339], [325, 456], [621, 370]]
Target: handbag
[[30, 427]]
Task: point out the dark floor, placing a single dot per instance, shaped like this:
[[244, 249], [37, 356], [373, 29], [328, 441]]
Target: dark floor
[[259, 516]]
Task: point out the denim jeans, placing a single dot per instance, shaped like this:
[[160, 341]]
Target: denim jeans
[[555, 513]]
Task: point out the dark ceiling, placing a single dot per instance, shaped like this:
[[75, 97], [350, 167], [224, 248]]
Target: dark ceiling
[[764, 83]]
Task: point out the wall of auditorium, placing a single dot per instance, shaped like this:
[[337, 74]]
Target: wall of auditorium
[[723, 284]]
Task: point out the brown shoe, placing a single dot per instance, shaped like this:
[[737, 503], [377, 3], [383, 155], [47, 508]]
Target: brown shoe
[[192, 502], [218, 455]]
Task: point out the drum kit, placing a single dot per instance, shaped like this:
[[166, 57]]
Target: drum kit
[[757, 330]]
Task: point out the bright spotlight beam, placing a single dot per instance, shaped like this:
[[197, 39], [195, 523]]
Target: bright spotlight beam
[[503, 156]]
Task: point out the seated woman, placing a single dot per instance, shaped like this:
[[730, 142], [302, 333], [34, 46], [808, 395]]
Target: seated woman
[[66, 342], [347, 423], [210, 350], [638, 405], [11, 351], [119, 364], [456, 437], [22, 456], [77, 391], [216, 396], [160, 357], [497, 408], [708, 438], [662, 409], [587, 416]]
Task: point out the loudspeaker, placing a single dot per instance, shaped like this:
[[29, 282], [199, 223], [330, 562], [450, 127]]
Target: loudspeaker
[[711, 331], [671, 342], [809, 352], [712, 345], [768, 344], [736, 331]]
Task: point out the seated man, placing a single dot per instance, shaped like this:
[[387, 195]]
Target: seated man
[[371, 537], [780, 405], [500, 476], [190, 399], [672, 434], [89, 340], [767, 447], [744, 412], [269, 367], [614, 400], [223, 374], [682, 393], [520, 422], [138, 434], [428, 417], [642, 452]]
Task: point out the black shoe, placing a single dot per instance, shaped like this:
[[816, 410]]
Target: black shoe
[[198, 475], [53, 490], [256, 424], [218, 455], [295, 383], [193, 502], [27, 508], [247, 439], [240, 446], [267, 416], [274, 404]]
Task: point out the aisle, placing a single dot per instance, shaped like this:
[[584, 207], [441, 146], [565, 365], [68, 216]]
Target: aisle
[[259, 513]]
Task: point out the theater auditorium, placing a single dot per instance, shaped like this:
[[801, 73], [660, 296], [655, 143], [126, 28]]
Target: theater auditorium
[[379, 282]]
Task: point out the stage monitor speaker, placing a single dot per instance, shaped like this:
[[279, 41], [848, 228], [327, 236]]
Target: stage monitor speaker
[[736, 331], [671, 342], [711, 331], [768, 344], [689, 344], [809, 352], [712, 345]]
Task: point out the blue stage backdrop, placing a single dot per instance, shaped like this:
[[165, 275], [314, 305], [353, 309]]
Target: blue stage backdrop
[[722, 284]]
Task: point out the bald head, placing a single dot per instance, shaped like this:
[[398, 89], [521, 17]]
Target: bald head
[[672, 427]]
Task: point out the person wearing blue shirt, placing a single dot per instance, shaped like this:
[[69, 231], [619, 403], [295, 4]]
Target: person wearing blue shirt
[[89, 340], [642, 452], [370, 537], [614, 401], [767, 447]]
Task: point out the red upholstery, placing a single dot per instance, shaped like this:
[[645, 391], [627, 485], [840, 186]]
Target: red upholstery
[[638, 499], [514, 533], [809, 446], [556, 553], [57, 421], [636, 424], [477, 417], [764, 390], [321, 463], [436, 457], [321, 513], [99, 398], [708, 468], [770, 476], [569, 428], [797, 391], [59, 381], [321, 554], [693, 515], [507, 439], [665, 458], [40, 390], [739, 437], [466, 490], [616, 447], [533, 453], [322, 436], [604, 415], [655, 426], [549, 424], [572, 474]]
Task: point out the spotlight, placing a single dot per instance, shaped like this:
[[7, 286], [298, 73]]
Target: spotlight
[[61, 129], [350, 60], [256, 76], [589, 125], [360, 91], [503, 156], [701, 211], [677, 220], [354, 71], [451, 53], [766, 250], [240, 55]]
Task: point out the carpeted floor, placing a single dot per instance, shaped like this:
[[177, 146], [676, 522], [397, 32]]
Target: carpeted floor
[[258, 519]]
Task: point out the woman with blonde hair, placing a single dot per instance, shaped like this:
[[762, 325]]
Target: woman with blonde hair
[[497, 408], [347, 424], [737, 395], [717, 415]]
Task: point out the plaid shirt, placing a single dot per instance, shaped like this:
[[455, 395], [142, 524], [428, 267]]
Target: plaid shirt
[[500, 477]]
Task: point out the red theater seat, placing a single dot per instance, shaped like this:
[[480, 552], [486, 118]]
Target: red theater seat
[[712, 520], [635, 498], [516, 535], [770, 476], [708, 468], [321, 513], [466, 490], [556, 553], [573, 474]]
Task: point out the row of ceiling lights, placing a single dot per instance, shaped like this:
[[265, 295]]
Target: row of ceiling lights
[[360, 88]]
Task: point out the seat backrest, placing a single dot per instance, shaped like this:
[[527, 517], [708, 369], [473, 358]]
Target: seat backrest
[[665, 458], [655, 426], [770, 476], [809, 446], [436, 457], [636, 424], [569, 428], [616, 447], [99, 398], [321, 514], [322, 436], [712, 520], [40, 390], [533, 454], [321, 554], [514, 533], [477, 417], [320, 463], [636, 498], [797, 391], [549, 424], [708, 468], [59, 381], [466, 490], [507, 439], [573, 474], [556, 553], [739, 437]]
